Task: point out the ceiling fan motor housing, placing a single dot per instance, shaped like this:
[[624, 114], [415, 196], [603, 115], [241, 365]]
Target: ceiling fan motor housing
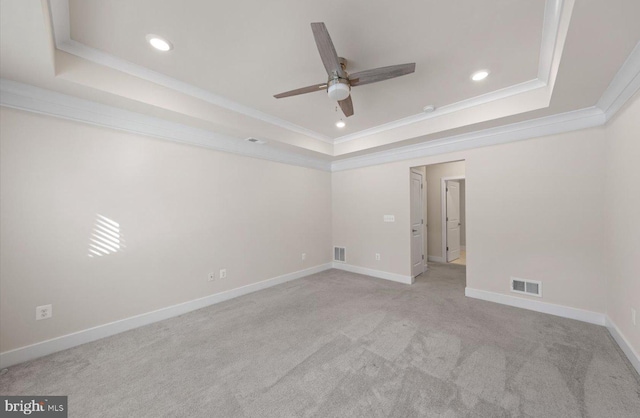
[[338, 89]]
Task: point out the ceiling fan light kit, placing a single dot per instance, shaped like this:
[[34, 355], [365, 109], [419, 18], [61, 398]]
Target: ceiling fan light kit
[[339, 82], [338, 89]]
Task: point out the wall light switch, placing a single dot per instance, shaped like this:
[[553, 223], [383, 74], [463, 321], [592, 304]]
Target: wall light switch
[[389, 218], [377, 256], [304, 256], [223, 273]]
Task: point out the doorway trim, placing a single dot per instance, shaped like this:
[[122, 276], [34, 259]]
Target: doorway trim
[[443, 209], [423, 182]]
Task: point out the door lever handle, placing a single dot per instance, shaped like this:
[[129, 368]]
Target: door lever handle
[[414, 230]]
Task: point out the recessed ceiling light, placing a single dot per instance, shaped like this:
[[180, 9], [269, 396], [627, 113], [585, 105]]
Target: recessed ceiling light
[[340, 124], [159, 43], [480, 75]]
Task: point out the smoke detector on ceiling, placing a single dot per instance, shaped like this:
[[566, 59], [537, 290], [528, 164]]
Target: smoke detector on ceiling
[[255, 140]]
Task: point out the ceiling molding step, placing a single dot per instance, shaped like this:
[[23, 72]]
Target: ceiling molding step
[[564, 122], [624, 85], [59, 12], [554, 12], [550, 31], [34, 99], [444, 110]]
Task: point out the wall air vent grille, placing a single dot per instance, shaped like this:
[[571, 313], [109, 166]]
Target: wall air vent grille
[[526, 287], [339, 254]]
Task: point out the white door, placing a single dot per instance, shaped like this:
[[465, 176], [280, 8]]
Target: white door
[[417, 240], [453, 220]]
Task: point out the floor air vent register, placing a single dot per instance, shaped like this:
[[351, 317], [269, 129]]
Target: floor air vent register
[[526, 287]]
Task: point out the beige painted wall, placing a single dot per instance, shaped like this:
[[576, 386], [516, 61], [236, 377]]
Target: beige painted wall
[[183, 211], [534, 210], [622, 226], [434, 210]]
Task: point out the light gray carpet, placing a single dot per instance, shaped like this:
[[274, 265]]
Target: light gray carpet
[[338, 344]]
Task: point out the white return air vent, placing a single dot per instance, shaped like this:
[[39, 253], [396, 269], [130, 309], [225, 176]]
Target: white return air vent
[[340, 254], [526, 287]]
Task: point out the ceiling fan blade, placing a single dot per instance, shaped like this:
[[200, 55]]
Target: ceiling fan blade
[[380, 74], [327, 50], [347, 106], [303, 90]]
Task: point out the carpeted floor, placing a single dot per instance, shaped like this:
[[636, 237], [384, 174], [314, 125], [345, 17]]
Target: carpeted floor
[[338, 344]]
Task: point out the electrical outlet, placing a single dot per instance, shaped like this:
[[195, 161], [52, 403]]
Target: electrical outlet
[[304, 256], [212, 276], [633, 316], [44, 312], [223, 273], [377, 256]]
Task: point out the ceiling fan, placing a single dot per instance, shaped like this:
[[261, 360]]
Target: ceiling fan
[[339, 83]]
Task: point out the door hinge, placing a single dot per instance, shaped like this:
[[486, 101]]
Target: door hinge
[[423, 256], [447, 189], [447, 248], [421, 186], [447, 218], [422, 221]]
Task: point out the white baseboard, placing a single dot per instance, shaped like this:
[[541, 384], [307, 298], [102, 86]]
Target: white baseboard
[[436, 259], [374, 273], [30, 352], [535, 305], [631, 354]]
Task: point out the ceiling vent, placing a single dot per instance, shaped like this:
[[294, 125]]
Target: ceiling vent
[[255, 141], [339, 254], [526, 287]]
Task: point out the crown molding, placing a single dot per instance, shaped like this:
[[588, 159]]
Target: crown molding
[[550, 32], [25, 97], [34, 99], [30, 98], [624, 85], [553, 15], [444, 110], [564, 122], [59, 12]]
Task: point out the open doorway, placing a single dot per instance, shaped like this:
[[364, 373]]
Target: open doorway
[[438, 215], [454, 219]]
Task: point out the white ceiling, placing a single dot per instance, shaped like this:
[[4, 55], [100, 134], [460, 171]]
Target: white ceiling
[[231, 57], [249, 50]]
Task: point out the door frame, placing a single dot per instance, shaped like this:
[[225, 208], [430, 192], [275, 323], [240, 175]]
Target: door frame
[[443, 200], [422, 226]]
